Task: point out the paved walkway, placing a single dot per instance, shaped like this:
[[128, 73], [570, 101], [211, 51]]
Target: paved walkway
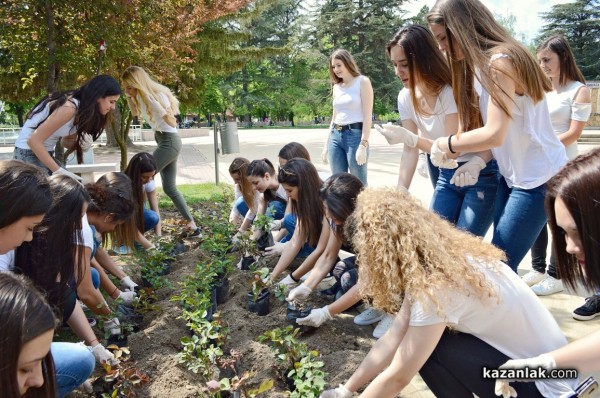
[[197, 164]]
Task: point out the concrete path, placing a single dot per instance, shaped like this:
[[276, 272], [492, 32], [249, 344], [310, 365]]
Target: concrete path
[[197, 164]]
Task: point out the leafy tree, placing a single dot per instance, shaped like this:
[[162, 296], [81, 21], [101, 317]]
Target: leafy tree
[[579, 22]]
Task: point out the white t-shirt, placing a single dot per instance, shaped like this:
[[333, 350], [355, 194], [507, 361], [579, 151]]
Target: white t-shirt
[[531, 153], [7, 261], [86, 232], [31, 125], [516, 323], [157, 110], [347, 103], [563, 109]]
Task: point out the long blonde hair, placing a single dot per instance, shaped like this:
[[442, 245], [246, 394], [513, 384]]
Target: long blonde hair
[[470, 25], [148, 90], [402, 248]]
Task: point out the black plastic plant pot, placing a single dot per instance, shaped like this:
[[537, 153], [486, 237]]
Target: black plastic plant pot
[[101, 386], [213, 299], [289, 381], [265, 240], [120, 340], [294, 313], [261, 306], [179, 248], [247, 261], [166, 269], [222, 289]]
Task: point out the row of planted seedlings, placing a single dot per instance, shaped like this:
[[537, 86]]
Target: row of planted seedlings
[[124, 379]]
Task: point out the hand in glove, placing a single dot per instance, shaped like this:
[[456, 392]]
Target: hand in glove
[[127, 283], [275, 225], [274, 250], [316, 318], [299, 293], [422, 167], [438, 157], [361, 155], [503, 388], [325, 153], [67, 173], [340, 392], [86, 142], [468, 173], [127, 297], [113, 326], [288, 282], [103, 355], [397, 134]]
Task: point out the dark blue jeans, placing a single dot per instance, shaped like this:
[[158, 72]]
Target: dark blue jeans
[[518, 220], [538, 254], [342, 153], [469, 208], [434, 171], [151, 218], [289, 223]]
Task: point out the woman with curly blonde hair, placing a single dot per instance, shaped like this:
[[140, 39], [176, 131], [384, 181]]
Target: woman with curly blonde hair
[[460, 310], [157, 104]]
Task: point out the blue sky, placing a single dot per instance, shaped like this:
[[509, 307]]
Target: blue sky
[[526, 12]]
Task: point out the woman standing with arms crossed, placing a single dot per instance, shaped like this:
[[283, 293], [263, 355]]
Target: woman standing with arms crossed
[[347, 146], [158, 106], [494, 77], [570, 107], [76, 117]]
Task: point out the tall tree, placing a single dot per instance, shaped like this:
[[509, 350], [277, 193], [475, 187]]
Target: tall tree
[[579, 22]]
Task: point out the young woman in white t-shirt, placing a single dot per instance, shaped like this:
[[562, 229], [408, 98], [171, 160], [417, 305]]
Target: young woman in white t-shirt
[[347, 145], [76, 117], [459, 309], [498, 85], [158, 106], [428, 111], [570, 107]]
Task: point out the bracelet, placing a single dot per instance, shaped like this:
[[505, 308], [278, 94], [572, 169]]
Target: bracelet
[[90, 344], [450, 143], [364, 143], [113, 292], [294, 279]]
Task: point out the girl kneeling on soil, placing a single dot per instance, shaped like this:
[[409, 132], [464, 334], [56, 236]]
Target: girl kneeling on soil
[[573, 218], [302, 184], [246, 200], [26, 366], [141, 170], [453, 296]]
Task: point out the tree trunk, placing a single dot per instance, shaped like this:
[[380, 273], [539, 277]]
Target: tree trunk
[[52, 67]]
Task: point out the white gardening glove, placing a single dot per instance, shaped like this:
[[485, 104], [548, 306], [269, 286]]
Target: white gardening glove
[[236, 238], [86, 387], [103, 355], [288, 282], [127, 297], [503, 388], [316, 318], [468, 173], [127, 283], [275, 225], [438, 157], [275, 250], [113, 326], [361, 155], [325, 153], [340, 392], [422, 167], [86, 142], [299, 293], [397, 134], [67, 173]]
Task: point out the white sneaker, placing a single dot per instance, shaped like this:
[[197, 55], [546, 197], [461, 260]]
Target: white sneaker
[[548, 286], [370, 316], [533, 277], [383, 326]]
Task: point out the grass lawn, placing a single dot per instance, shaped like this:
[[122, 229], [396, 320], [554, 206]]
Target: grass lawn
[[194, 193]]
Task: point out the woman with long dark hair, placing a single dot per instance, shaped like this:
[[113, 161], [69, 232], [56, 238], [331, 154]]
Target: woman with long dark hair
[[76, 117]]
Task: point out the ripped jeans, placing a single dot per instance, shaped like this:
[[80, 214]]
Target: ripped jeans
[[469, 208]]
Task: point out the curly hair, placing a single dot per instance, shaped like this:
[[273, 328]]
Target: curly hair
[[402, 248]]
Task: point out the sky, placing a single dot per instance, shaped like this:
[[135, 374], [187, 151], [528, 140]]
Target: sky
[[526, 12]]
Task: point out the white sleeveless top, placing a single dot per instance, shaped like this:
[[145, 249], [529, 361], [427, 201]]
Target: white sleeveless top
[[531, 153], [32, 123], [563, 109], [347, 103]]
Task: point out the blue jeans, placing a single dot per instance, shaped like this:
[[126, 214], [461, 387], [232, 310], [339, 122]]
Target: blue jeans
[[434, 171], [518, 220], [151, 218], [289, 223], [538, 254], [342, 153], [241, 206], [27, 156], [276, 209], [469, 208], [73, 363]]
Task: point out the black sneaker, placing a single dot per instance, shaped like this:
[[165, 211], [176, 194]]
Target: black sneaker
[[589, 310], [195, 233]]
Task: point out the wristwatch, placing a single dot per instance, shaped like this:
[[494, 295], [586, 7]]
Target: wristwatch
[[364, 143]]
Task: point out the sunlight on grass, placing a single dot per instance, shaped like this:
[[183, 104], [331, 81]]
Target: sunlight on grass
[[193, 193]]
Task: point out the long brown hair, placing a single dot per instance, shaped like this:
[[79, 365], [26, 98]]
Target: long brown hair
[[426, 64], [348, 61], [472, 27], [569, 70], [139, 164], [239, 166]]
